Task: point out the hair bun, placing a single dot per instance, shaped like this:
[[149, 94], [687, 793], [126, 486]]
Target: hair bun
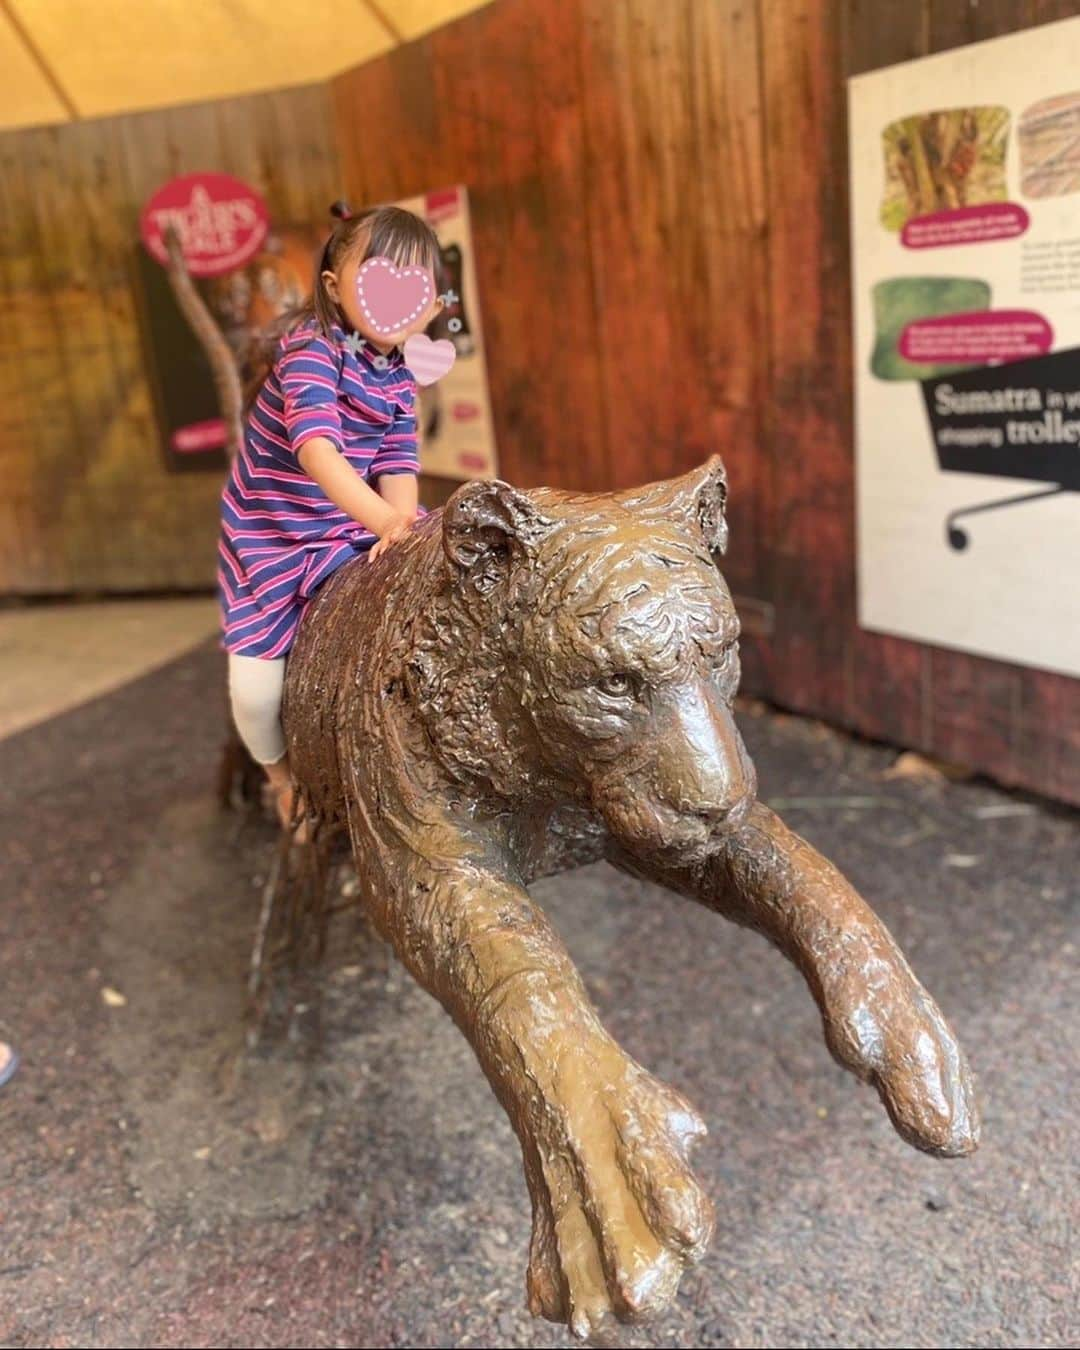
[[341, 210]]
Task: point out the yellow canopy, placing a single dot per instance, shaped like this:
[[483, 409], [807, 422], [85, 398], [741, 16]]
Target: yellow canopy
[[62, 60]]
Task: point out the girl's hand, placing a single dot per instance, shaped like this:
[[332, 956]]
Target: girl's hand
[[398, 529]]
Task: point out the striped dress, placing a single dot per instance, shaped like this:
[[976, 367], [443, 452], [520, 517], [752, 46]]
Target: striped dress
[[281, 536]]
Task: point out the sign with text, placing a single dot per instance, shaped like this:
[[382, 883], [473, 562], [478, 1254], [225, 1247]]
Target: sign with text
[[965, 214], [220, 222]]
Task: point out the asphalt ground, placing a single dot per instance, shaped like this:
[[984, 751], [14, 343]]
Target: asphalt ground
[[352, 1181]]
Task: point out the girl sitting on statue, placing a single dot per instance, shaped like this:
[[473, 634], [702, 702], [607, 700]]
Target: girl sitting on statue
[[328, 469]]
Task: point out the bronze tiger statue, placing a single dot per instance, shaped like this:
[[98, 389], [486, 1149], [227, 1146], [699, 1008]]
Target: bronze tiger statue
[[535, 680]]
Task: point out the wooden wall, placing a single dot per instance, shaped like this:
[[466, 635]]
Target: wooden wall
[[1019, 725], [659, 192], [659, 195], [87, 504], [612, 156]]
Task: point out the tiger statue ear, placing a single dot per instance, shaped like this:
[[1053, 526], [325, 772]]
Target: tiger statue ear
[[698, 497], [486, 526]]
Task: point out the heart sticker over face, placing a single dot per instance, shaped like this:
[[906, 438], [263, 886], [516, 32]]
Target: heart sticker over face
[[393, 297], [429, 361]]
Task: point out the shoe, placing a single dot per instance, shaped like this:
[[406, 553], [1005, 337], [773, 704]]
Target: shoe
[[9, 1062]]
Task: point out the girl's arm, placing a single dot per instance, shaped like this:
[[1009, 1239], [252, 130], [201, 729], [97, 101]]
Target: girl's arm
[[395, 467], [329, 468], [402, 491]]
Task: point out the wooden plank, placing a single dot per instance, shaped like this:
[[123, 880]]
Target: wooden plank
[[509, 110], [807, 419], [890, 677], [676, 207], [890, 689], [95, 513], [306, 151], [1048, 11], [577, 446], [493, 102], [43, 358], [875, 35], [1047, 742], [992, 18], [974, 707], [14, 396], [633, 118], [33, 411], [731, 309], [949, 25]]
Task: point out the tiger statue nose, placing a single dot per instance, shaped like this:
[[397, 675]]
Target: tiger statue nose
[[702, 764]]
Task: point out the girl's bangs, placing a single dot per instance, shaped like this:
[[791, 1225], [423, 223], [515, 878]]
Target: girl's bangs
[[405, 244]]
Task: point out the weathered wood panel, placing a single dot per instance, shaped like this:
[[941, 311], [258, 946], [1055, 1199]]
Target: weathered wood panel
[[613, 158], [807, 434], [675, 205], [660, 205], [1021, 726], [614, 198], [889, 676], [494, 102], [88, 504]]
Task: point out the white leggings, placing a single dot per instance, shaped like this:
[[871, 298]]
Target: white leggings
[[255, 689]]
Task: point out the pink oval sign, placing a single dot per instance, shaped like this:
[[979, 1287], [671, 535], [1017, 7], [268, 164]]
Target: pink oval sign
[[221, 222], [981, 336], [966, 225], [197, 436]]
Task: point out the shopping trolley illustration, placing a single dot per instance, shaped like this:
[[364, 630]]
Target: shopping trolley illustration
[[1035, 444]]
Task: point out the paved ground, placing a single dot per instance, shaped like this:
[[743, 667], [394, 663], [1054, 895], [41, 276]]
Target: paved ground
[[54, 657], [354, 1183]]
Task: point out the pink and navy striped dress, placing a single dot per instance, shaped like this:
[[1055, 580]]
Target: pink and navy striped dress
[[281, 536]]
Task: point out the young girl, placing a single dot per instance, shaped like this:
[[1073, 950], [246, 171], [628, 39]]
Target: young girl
[[327, 470]]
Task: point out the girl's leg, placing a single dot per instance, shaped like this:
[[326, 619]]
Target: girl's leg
[[255, 691]]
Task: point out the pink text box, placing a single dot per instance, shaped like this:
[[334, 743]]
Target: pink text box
[[980, 336], [198, 436], [966, 225]]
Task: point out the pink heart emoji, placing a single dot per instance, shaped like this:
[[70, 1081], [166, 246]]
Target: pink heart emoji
[[429, 361], [393, 297]]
